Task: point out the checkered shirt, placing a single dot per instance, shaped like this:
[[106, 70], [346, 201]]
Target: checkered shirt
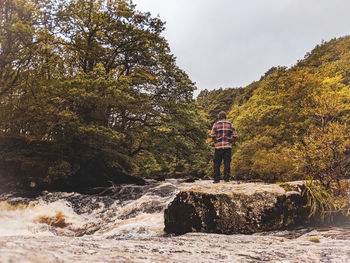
[[223, 134]]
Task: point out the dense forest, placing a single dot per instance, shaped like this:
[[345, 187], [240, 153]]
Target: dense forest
[[294, 123], [90, 95]]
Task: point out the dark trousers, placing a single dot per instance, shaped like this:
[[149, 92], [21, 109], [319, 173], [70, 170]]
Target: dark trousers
[[218, 156]]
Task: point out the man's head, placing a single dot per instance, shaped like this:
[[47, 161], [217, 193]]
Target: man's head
[[222, 115]]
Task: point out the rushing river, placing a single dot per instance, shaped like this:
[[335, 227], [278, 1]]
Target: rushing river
[[125, 224]]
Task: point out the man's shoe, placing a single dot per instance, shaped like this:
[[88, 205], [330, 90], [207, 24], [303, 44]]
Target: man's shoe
[[226, 180], [216, 181]]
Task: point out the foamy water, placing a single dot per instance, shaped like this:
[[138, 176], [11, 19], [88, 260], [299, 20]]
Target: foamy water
[[126, 225], [127, 211], [27, 220]]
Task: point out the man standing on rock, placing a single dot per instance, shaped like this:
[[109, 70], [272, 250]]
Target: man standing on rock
[[223, 134]]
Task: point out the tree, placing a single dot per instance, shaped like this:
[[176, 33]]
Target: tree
[[218, 100], [323, 152], [295, 125], [101, 99]]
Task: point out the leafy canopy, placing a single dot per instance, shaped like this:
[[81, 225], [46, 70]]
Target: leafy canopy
[[91, 93]]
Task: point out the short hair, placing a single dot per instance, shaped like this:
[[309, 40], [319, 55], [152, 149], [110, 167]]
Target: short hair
[[222, 115]]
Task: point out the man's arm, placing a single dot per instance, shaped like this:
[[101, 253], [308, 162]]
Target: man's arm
[[213, 132], [234, 133]]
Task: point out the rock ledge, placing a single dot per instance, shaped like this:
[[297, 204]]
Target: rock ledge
[[230, 208]]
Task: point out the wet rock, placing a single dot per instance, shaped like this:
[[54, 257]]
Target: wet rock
[[190, 180], [230, 208]]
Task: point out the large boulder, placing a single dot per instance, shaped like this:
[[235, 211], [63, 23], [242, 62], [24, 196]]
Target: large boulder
[[230, 208]]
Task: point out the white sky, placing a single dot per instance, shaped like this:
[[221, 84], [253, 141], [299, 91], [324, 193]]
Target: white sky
[[230, 43]]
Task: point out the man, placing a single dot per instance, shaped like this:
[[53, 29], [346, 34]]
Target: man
[[223, 134]]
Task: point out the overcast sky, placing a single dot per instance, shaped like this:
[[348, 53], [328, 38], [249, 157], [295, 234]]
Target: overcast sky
[[230, 43]]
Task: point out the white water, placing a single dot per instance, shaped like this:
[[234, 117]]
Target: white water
[[127, 226], [127, 211]]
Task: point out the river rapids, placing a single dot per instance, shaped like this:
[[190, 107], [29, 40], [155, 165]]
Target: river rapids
[[125, 224]]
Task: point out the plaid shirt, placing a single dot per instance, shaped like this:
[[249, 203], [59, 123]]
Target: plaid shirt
[[223, 134]]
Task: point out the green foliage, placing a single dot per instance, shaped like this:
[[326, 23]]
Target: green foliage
[[296, 120], [218, 100], [95, 81], [322, 154], [268, 123], [294, 124], [326, 202], [212, 102]]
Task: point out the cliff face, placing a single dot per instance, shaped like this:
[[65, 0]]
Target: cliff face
[[229, 208]]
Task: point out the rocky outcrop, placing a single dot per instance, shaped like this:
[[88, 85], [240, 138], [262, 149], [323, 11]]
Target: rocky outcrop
[[230, 208]]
